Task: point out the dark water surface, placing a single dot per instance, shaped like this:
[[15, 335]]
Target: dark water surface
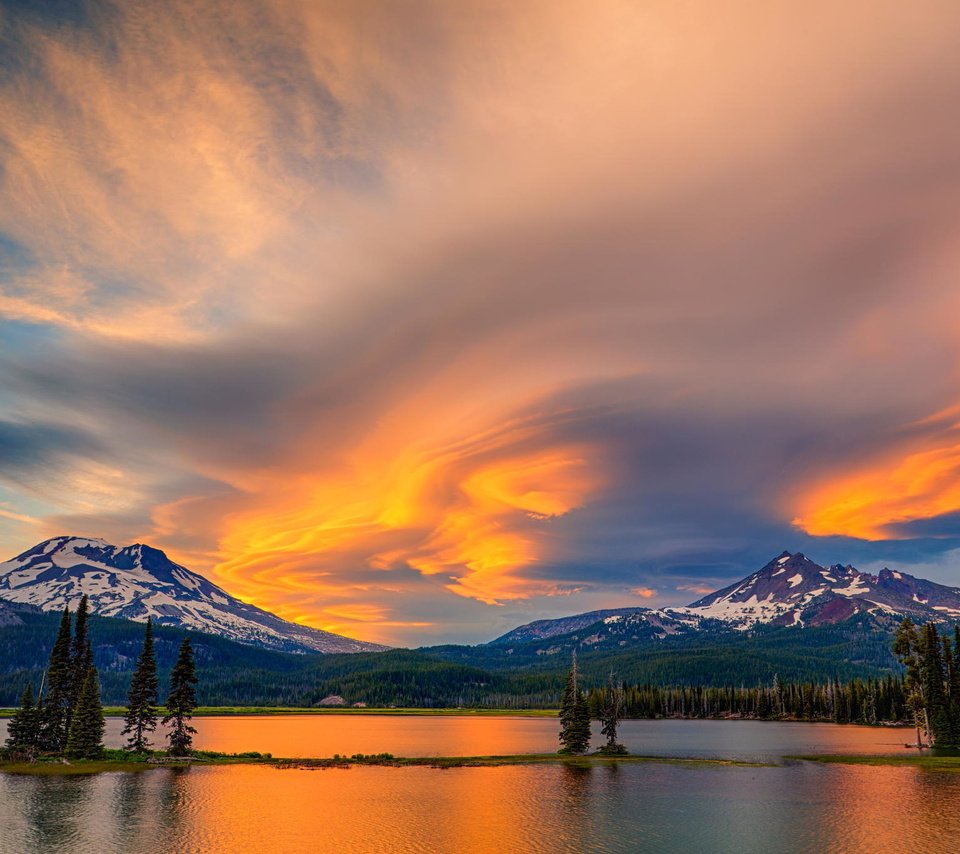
[[626, 808]]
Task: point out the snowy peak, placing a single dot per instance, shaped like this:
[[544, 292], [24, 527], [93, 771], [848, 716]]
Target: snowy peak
[[785, 576], [138, 581], [793, 590]]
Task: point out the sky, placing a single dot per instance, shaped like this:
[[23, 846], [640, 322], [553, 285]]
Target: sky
[[416, 321]]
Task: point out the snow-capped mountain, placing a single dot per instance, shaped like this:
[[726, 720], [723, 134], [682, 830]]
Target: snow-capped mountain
[[137, 582], [791, 590]]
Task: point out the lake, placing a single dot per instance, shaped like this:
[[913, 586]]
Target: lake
[[625, 808]]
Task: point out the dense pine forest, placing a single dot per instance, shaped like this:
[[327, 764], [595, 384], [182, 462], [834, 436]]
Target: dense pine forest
[[129, 660], [65, 719], [840, 673], [871, 701]]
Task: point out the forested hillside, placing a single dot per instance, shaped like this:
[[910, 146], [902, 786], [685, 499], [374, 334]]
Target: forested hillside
[[25, 648], [523, 676]]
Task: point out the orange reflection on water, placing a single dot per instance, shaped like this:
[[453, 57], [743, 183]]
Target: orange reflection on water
[[325, 735], [374, 809], [875, 809]]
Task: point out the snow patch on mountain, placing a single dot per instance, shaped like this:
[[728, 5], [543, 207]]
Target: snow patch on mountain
[[791, 590], [136, 582]]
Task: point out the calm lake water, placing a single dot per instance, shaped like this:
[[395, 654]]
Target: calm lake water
[[626, 808]]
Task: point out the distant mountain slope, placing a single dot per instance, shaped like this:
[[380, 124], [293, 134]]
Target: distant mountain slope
[[10, 613], [791, 590], [138, 581], [544, 629]]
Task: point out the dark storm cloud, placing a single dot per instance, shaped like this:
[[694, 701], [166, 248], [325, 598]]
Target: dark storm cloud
[[27, 448]]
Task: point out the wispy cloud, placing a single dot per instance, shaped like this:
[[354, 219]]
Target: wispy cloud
[[385, 314]]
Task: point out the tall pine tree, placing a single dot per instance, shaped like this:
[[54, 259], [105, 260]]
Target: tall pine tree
[[906, 646], [56, 703], [181, 701], [568, 705], [932, 675], [611, 713], [85, 740], [580, 741], [81, 656], [952, 691], [574, 714], [141, 716], [23, 729]]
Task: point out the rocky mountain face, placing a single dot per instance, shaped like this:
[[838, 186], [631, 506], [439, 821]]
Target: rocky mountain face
[[791, 590], [137, 582]]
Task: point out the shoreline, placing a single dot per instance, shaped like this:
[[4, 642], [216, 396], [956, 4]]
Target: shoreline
[[949, 763], [132, 764], [116, 761], [280, 711]]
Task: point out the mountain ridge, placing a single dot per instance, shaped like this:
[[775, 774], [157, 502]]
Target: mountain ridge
[[790, 590], [139, 581]]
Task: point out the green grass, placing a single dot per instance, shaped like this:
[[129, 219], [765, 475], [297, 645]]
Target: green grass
[[112, 760], [930, 763], [497, 761], [116, 760]]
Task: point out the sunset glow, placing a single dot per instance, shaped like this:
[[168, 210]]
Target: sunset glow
[[392, 318], [870, 505]]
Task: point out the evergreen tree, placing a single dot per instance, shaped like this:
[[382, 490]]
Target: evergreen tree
[[574, 714], [778, 699], [580, 734], [933, 681], [952, 691], [56, 705], [181, 701], [141, 717], [906, 646], [23, 729], [80, 652], [85, 740], [568, 703], [611, 715], [763, 706], [81, 657]]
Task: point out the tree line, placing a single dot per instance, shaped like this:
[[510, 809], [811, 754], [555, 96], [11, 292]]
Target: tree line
[[575, 715], [931, 681], [232, 674], [65, 717], [861, 701]]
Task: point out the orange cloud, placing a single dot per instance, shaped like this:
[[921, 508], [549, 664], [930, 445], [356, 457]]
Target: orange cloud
[[869, 504], [701, 589], [475, 511], [18, 517], [643, 592], [431, 222]]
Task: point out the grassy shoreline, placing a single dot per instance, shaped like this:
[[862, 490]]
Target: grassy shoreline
[[279, 711], [118, 761], [926, 761]]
